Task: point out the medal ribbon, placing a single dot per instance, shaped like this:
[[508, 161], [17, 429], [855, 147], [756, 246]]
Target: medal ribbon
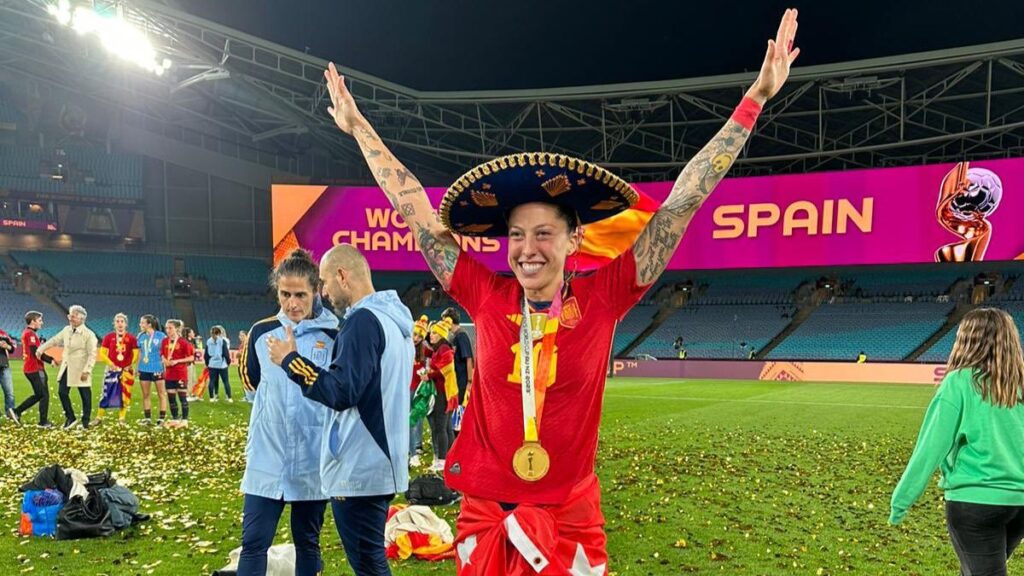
[[170, 349], [534, 392]]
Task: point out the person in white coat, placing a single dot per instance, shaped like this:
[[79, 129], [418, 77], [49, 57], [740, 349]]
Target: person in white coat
[[79, 344]]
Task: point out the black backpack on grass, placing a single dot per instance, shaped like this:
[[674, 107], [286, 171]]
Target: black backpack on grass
[[430, 490]]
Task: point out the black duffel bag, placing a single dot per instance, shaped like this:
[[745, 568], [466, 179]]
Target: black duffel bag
[[430, 490], [84, 518]]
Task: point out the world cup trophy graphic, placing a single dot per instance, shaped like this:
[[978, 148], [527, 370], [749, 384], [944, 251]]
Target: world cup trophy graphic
[[967, 197]]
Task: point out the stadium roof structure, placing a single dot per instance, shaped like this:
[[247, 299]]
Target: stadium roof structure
[[262, 105]]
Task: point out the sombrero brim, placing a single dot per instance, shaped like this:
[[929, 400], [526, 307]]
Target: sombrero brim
[[478, 203]]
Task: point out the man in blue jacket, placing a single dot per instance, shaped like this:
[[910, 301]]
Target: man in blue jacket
[[365, 459]]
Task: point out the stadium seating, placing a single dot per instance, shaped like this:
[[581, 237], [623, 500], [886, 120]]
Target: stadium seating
[[716, 331], [1014, 294], [115, 176], [883, 331], [939, 352], [725, 310], [12, 314], [638, 319], [233, 313], [103, 307], [885, 283], [109, 168], [9, 115], [1016, 309], [230, 275], [100, 272], [776, 288]]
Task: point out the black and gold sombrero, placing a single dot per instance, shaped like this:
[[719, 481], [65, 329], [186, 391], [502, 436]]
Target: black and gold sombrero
[[478, 203]]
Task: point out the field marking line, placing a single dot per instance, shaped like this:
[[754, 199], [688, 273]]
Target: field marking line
[[762, 401]]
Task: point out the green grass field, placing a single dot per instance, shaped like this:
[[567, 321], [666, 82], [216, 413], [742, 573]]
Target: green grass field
[[698, 477]]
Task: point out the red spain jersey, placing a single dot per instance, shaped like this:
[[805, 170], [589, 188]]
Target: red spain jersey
[[480, 462], [30, 340], [443, 356], [180, 349], [120, 351]]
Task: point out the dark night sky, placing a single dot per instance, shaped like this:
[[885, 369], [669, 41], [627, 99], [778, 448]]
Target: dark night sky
[[485, 44]]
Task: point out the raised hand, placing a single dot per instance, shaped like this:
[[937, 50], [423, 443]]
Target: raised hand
[[343, 107], [400, 185], [280, 348], [777, 60]]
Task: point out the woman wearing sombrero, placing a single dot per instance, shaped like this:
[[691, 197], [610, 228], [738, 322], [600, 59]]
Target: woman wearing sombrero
[[525, 458]]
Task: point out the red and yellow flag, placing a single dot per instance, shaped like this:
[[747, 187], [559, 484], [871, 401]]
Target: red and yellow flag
[[604, 241]]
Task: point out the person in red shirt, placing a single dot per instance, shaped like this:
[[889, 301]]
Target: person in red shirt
[[119, 351], [524, 460], [35, 370], [442, 373], [176, 353]]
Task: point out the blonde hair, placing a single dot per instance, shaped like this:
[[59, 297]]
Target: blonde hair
[[988, 343]]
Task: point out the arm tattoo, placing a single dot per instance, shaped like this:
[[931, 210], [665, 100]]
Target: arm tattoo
[[437, 244], [364, 133], [440, 251], [661, 236]]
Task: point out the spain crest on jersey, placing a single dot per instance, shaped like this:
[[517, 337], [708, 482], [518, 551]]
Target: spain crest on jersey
[[319, 353]]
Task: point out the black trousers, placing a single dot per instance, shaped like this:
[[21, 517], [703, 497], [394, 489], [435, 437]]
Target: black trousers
[[85, 392], [40, 394], [984, 536], [441, 433]]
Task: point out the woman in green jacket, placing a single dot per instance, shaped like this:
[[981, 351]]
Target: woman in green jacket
[[973, 432]]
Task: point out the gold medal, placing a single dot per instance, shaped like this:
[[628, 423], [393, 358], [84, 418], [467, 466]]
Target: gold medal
[[120, 357], [531, 462]]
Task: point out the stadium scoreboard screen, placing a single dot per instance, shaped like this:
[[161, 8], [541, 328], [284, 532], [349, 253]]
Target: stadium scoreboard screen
[[967, 211]]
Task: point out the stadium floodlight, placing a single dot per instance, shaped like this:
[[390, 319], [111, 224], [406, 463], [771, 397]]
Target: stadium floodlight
[[61, 11], [119, 37]]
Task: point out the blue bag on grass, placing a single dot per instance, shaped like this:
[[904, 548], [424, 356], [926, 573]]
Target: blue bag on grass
[[40, 508]]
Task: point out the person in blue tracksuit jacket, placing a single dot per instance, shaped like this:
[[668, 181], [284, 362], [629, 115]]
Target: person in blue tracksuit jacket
[[286, 429], [365, 457]]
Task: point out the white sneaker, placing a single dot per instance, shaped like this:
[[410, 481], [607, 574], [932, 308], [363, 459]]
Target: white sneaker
[[214, 399], [230, 401], [414, 461]]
